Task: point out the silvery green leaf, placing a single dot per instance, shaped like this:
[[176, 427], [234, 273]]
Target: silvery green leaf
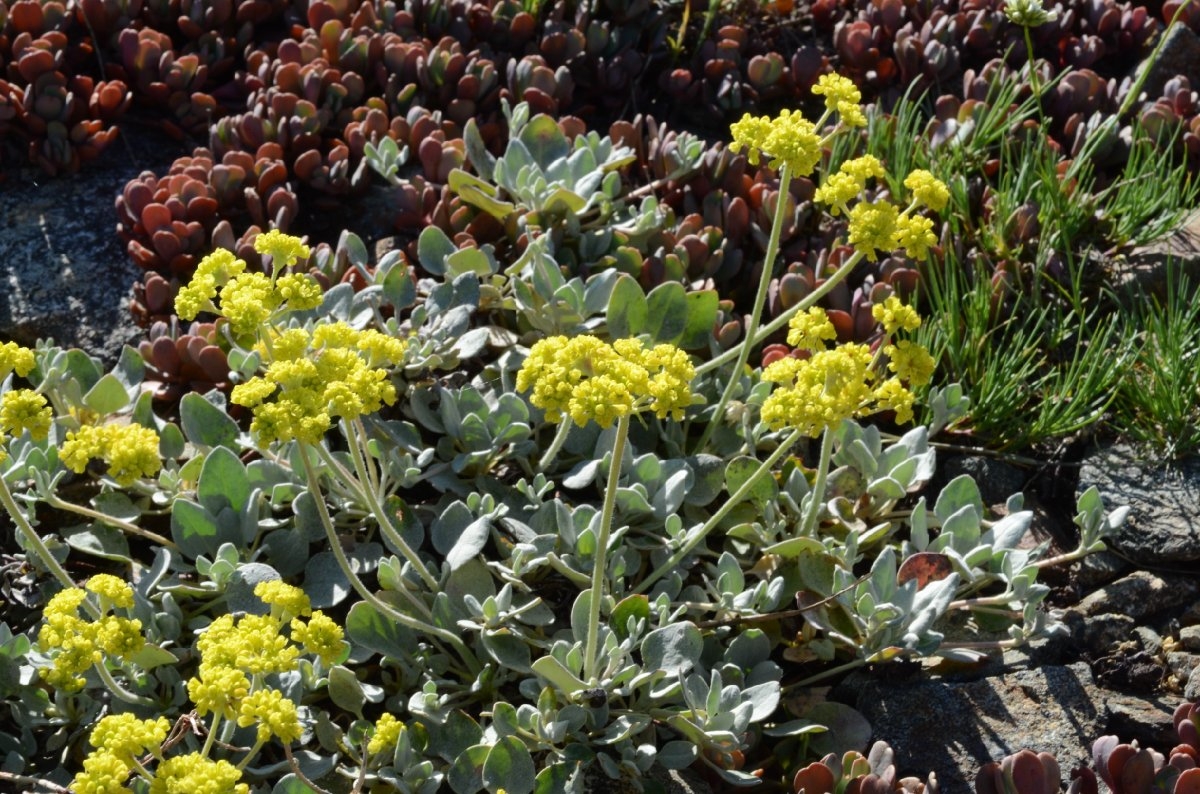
[[205, 422], [466, 775], [109, 395], [1008, 531], [960, 530], [674, 648], [509, 766], [667, 308], [959, 493], [886, 488], [919, 526], [627, 310], [345, 690], [477, 154], [677, 754], [624, 727], [765, 699]]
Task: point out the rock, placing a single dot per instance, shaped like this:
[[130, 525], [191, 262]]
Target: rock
[[1192, 691], [1099, 568], [1148, 720], [1164, 501], [1189, 638], [996, 480], [1180, 56], [1148, 637], [1139, 595], [952, 728], [1097, 634], [1182, 663], [66, 274]]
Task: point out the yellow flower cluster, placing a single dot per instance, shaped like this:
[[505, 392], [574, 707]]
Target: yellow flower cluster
[[833, 384], [131, 451], [842, 97], [315, 376], [235, 653], [14, 358], [21, 410], [75, 644], [386, 734], [249, 299], [194, 774], [849, 182], [788, 140], [588, 379]]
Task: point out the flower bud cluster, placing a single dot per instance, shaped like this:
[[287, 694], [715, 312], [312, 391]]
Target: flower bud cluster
[[313, 377], [131, 451], [236, 654], [75, 644], [823, 386], [588, 379], [248, 300]]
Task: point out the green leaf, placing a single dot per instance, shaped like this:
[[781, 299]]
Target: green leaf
[[701, 316], [205, 424], [346, 691], [151, 656], [193, 529], [455, 736], [223, 481], [469, 260], [98, 539], [290, 784], [740, 470], [674, 648], [131, 368], [509, 766], [636, 607], [474, 191], [107, 396], [544, 140], [466, 776], [117, 505], [668, 309], [433, 246], [554, 778], [627, 312], [558, 675], [324, 581], [477, 152], [368, 629], [398, 286]]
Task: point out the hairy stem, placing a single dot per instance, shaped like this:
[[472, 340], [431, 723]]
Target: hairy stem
[[601, 561]]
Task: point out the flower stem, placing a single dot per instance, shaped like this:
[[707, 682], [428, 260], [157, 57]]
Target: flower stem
[[53, 500], [39, 546], [733, 501], [120, 692], [381, 606], [1034, 82], [810, 299], [212, 734], [760, 299], [560, 438], [360, 467], [818, 490], [601, 562]]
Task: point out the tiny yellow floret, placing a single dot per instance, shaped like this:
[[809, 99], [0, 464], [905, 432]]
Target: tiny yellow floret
[[23, 409], [928, 190], [895, 315], [387, 734], [842, 97]]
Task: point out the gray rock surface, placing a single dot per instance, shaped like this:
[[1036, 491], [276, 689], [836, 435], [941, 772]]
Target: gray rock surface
[[952, 728], [1180, 56], [1164, 501], [1189, 638], [64, 272], [1140, 594], [1192, 690]]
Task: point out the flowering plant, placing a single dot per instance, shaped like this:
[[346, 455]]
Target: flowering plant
[[414, 547]]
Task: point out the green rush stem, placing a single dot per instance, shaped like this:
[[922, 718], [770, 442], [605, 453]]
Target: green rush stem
[[820, 292], [380, 606], [1136, 90], [760, 299], [53, 500], [716, 518], [560, 438], [1034, 82], [119, 691], [818, 490], [601, 561], [39, 546], [360, 466]]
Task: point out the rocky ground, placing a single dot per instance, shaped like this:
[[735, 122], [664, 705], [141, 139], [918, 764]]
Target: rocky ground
[[1131, 651]]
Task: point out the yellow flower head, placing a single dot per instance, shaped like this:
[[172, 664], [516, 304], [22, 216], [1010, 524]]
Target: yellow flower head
[[218, 689], [386, 735], [788, 140], [810, 330], [842, 97], [914, 233], [872, 226], [23, 409], [195, 774], [588, 380], [895, 315], [274, 715], [127, 737], [213, 272], [320, 636], [911, 362], [103, 773], [819, 392], [247, 302], [892, 396], [112, 589], [300, 291], [131, 451], [284, 249], [287, 601], [928, 190], [849, 182], [14, 358]]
